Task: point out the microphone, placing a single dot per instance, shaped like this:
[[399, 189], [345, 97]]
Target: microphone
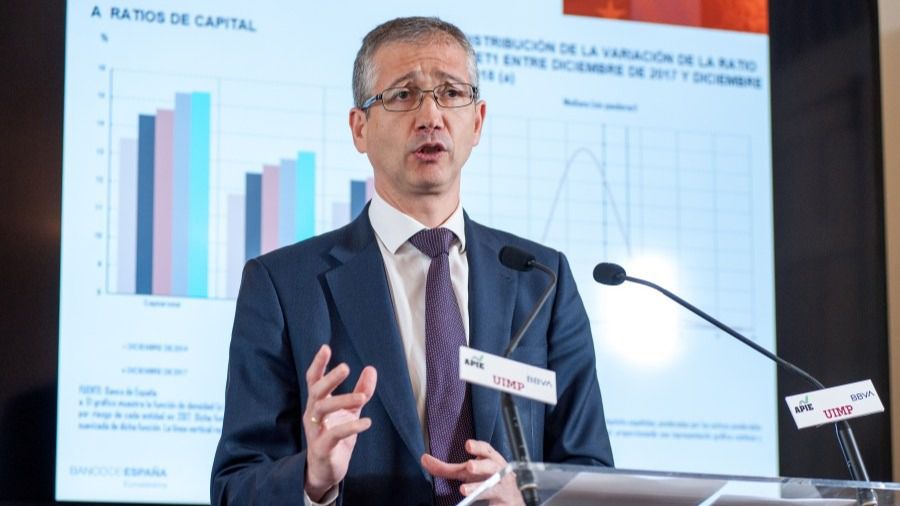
[[609, 274], [523, 261], [613, 274], [517, 259], [520, 260]]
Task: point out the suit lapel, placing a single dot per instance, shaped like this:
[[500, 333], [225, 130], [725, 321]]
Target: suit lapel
[[492, 295], [363, 301]]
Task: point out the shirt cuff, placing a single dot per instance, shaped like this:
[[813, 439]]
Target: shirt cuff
[[328, 499]]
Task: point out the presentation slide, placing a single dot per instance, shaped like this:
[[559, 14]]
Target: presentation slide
[[200, 134]]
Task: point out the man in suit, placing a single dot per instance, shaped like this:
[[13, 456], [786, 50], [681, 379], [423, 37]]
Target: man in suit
[[343, 382]]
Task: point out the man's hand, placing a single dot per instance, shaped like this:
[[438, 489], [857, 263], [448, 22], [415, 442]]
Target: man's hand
[[473, 472], [331, 422]]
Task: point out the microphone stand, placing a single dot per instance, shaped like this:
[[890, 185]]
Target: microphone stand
[[524, 476], [846, 441]]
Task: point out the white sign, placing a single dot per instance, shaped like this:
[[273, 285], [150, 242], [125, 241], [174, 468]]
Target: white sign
[[492, 371], [834, 404]]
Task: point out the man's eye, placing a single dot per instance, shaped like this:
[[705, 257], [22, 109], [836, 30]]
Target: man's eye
[[401, 95]]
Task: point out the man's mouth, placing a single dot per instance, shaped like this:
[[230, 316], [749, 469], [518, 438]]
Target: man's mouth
[[430, 151]]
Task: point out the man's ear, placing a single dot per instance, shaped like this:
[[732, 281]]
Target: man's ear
[[480, 111], [358, 122]]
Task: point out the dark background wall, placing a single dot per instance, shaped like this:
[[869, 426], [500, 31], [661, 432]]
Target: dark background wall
[[829, 223], [829, 240], [31, 105], [889, 43]]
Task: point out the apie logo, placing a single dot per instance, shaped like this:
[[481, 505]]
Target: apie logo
[[804, 405], [475, 361]]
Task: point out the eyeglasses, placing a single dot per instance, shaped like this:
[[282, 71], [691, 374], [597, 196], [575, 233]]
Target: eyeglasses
[[407, 98]]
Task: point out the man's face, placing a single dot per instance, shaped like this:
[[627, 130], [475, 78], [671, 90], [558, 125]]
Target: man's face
[[419, 153]]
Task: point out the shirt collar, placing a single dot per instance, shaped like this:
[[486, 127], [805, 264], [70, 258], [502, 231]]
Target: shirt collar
[[394, 228]]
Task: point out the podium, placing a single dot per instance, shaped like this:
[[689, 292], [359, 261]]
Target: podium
[[568, 485]]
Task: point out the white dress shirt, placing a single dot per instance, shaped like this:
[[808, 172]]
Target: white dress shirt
[[407, 268]]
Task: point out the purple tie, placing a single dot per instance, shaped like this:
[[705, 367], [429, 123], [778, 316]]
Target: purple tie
[[447, 407]]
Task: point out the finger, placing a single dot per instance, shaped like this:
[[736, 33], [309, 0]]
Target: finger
[[484, 450], [503, 492], [489, 495], [441, 469], [366, 382], [481, 468], [329, 405], [337, 418], [322, 388], [467, 489], [317, 368], [334, 435]]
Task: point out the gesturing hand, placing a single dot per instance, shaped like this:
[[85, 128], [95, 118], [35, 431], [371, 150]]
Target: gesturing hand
[[474, 471], [332, 422]]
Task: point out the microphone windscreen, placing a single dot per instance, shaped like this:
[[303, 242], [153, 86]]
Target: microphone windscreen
[[515, 258], [609, 274]]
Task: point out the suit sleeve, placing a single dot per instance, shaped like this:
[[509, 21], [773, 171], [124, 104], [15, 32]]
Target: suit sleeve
[[575, 429], [261, 457]]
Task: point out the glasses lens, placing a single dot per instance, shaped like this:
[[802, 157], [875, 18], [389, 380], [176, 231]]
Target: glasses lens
[[454, 94], [401, 99]]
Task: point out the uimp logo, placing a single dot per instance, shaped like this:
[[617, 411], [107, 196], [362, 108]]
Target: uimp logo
[[803, 406], [511, 384], [839, 411], [476, 361]]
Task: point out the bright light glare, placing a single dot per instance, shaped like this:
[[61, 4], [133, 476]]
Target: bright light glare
[[640, 325]]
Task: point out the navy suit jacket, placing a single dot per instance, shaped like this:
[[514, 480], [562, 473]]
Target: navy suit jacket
[[333, 289]]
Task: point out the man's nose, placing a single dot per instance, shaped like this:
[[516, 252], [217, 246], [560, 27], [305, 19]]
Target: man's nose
[[430, 114]]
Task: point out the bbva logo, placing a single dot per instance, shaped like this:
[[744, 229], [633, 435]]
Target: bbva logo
[[861, 395]]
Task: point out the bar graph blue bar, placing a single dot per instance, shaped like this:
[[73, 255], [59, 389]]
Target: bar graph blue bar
[[253, 216], [306, 195], [181, 151], [198, 199], [357, 198], [144, 247]]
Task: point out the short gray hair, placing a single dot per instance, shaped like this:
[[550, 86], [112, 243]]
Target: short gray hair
[[410, 30]]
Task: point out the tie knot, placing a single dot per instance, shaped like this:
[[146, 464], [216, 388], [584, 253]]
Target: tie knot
[[433, 241]]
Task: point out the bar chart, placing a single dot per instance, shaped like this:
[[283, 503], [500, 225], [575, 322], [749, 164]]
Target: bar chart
[[164, 201], [276, 209], [218, 171]]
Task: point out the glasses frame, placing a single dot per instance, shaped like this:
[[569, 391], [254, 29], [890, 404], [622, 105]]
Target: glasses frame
[[369, 102]]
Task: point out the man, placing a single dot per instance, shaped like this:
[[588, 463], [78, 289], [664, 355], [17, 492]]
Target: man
[[343, 378]]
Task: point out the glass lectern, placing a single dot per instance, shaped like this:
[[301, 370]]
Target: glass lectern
[[568, 485]]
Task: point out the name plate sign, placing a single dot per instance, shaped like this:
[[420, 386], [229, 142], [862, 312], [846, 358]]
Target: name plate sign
[[834, 404], [492, 371]]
